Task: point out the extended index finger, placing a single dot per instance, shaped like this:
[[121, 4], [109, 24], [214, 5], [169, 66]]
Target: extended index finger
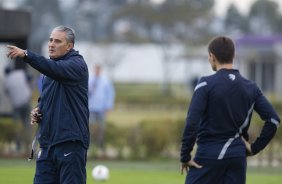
[[10, 46]]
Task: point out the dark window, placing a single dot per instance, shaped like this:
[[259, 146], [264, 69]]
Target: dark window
[[262, 71]]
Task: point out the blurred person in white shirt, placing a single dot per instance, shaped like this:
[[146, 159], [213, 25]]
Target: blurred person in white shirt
[[19, 93]]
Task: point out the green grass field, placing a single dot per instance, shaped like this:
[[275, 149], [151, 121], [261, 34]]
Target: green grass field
[[19, 171], [127, 117]]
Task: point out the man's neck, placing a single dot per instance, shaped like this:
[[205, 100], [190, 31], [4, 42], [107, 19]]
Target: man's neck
[[224, 66]]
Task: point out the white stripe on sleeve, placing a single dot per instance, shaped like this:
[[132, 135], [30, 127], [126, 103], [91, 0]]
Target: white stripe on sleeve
[[202, 84], [274, 121]]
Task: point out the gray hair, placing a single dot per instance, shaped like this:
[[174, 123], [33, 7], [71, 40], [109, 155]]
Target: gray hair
[[69, 32]]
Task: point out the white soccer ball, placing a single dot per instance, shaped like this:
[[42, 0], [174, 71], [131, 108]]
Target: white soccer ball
[[100, 173]]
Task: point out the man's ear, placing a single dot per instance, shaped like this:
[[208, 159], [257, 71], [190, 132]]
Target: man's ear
[[70, 46], [212, 56]]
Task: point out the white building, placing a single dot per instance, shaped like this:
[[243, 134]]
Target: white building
[[145, 63], [260, 60]]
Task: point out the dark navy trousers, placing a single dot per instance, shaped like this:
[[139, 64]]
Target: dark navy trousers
[[64, 163], [225, 171]]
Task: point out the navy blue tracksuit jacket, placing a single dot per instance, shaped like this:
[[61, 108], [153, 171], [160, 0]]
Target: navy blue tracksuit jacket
[[64, 99], [220, 113]]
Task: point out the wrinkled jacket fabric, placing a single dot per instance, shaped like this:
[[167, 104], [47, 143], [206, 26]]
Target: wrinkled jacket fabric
[[64, 99], [220, 114]]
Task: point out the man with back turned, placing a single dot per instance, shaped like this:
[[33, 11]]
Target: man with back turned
[[218, 120]]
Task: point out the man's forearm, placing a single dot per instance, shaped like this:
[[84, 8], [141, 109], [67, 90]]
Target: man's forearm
[[267, 133]]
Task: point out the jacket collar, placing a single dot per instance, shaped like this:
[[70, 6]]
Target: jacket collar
[[68, 54]]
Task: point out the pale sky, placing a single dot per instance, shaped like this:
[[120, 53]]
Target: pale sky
[[243, 6], [220, 7]]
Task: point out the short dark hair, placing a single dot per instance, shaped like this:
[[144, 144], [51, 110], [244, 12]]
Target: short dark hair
[[222, 48]]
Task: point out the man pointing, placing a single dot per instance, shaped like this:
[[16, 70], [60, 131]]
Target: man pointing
[[62, 112]]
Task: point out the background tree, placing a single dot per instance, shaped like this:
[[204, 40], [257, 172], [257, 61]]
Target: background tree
[[180, 20], [264, 18], [45, 16], [234, 21]]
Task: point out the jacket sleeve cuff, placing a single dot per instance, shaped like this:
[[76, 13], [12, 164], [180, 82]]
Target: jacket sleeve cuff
[[185, 159], [254, 149]]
